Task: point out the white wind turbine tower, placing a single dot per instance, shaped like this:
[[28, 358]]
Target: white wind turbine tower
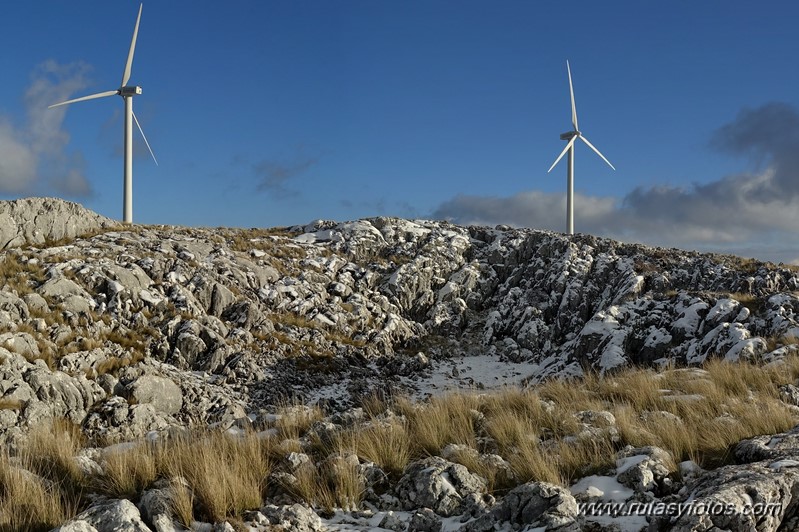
[[572, 137], [127, 93]]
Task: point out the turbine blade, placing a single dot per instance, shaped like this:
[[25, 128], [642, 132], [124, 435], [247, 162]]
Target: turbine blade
[[569, 145], [597, 151], [145, 138], [82, 98], [129, 64], [571, 92]]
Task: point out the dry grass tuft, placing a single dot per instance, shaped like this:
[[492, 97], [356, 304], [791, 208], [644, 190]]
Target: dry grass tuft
[[44, 486], [511, 430], [28, 502], [373, 404], [528, 463], [334, 484], [387, 444], [127, 470], [444, 420], [50, 453], [20, 275], [584, 456], [692, 413], [113, 364], [295, 420], [226, 474], [11, 404], [182, 501]]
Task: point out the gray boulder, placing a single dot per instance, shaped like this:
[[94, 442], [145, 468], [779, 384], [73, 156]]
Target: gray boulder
[[391, 521], [36, 303], [116, 515], [296, 517], [645, 470], [789, 394], [70, 294], [76, 526], [156, 508], [116, 420], [162, 393], [13, 309], [22, 343], [56, 394], [221, 299], [425, 520], [61, 287], [769, 447], [763, 496], [532, 505], [439, 485]]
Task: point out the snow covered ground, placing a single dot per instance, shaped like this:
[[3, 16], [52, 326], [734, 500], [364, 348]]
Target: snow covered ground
[[480, 372]]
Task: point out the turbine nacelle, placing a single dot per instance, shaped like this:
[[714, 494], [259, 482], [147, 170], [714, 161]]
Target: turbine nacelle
[[569, 134], [132, 90]]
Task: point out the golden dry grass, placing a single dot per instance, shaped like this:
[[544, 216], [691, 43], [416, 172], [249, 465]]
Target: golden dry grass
[[43, 486], [20, 275], [693, 413], [511, 429], [182, 501], [334, 484], [497, 477], [295, 420], [127, 470], [29, 502], [387, 444], [373, 404], [11, 404], [444, 420], [50, 453], [213, 476], [529, 462], [226, 475]]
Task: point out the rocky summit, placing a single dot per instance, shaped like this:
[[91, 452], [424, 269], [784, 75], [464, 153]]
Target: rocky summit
[[134, 333]]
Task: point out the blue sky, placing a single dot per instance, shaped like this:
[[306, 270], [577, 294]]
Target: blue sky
[[265, 113]]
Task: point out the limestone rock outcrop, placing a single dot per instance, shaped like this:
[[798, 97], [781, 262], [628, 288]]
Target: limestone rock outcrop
[[40, 220]]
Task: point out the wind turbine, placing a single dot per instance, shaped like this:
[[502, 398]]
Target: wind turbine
[[127, 92], [572, 137]]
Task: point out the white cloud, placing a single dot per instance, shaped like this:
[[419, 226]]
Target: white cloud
[[32, 155], [17, 161]]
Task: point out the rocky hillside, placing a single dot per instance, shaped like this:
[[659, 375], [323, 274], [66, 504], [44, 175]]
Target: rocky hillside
[[41, 220], [127, 330]]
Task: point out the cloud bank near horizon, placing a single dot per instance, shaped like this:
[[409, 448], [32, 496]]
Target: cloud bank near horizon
[[753, 213], [33, 156]]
